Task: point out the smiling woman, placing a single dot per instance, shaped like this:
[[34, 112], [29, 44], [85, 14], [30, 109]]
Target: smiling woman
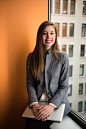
[[42, 64]]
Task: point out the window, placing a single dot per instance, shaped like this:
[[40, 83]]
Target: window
[[81, 71], [83, 34], [84, 8], [80, 88], [85, 88], [70, 90], [64, 30], [57, 6], [80, 106], [65, 6], [85, 106], [72, 7], [71, 30], [64, 48], [70, 70], [57, 27], [70, 104], [82, 53], [70, 50]]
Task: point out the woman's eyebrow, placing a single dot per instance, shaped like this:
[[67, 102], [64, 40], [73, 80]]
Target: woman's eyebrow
[[50, 31]]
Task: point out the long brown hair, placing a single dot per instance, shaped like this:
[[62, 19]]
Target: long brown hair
[[37, 57]]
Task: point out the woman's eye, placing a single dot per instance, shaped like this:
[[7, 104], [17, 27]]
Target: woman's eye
[[52, 33], [44, 33]]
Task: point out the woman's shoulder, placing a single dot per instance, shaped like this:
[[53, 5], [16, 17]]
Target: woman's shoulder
[[62, 55]]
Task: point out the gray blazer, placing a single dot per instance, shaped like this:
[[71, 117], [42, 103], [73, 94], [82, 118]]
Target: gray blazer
[[56, 81]]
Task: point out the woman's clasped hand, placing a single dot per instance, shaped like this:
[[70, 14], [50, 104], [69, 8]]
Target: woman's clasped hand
[[42, 112]]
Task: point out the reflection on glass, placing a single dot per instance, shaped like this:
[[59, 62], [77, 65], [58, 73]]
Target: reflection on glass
[[84, 8], [69, 90], [70, 70], [80, 88], [64, 48], [64, 30], [83, 34], [70, 26], [65, 6], [71, 30], [85, 106], [81, 72], [72, 7], [82, 54], [70, 50], [57, 6], [57, 27], [80, 106]]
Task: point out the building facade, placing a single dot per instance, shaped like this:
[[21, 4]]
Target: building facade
[[70, 19]]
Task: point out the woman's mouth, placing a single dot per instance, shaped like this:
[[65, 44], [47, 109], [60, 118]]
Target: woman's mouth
[[48, 41]]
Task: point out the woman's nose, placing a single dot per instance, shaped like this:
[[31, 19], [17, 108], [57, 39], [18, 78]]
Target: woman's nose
[[48, 35]]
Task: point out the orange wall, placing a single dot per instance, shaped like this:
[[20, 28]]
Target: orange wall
[[19, 21]]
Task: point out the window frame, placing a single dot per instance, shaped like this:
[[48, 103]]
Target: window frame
[[73, 114]]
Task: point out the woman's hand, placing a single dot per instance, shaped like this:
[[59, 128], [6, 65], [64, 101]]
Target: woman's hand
[[44, 112], [35, 108]]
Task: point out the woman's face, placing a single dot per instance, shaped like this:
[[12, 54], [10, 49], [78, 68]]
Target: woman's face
[[48, 37]]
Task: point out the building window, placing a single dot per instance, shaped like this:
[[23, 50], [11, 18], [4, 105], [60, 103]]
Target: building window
[[64, 48], [82, 53], [83, 34], [65, 6], [71, 30], [85, 106], [80, 88], [72, 7], [57, 6], [81, 71], [69, 90], [80, 106], [57, 27], [70, 50], [84, 8], [85, 88], [70, 70], [64, 30], [70, 104]]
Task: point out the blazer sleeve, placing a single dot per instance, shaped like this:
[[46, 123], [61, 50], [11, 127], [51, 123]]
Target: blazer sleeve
[[63, 83], [31, 84]]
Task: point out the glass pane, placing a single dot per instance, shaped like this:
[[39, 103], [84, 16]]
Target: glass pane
[[77, 65], [65, 6], [70, 70], [83, 34], [72, 7], [80, 106], [70, 50], [81, 72], [57, 6], [82, 50], [85, 106], [57, 27], [84, 8], [71, 30], [69, 90], [64, 48], [64, 29], [80, 88]]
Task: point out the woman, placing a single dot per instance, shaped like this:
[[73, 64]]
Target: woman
[[47, 76]]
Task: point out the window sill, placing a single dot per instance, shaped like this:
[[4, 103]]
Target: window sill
[[71, 15], [74, 119]]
